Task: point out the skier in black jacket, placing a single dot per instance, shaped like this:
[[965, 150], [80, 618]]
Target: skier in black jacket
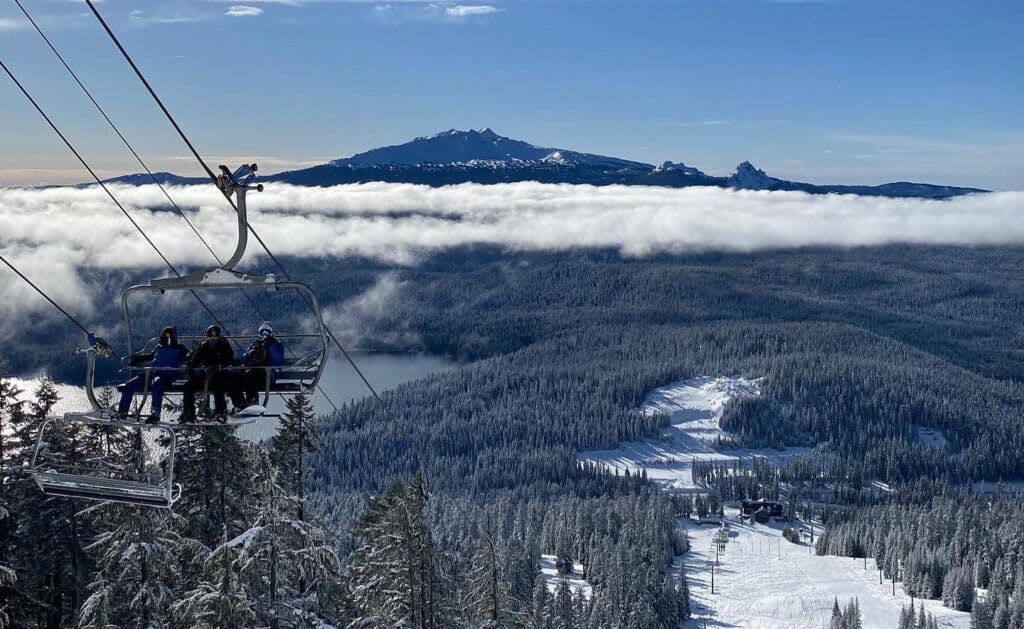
[[206, 368]]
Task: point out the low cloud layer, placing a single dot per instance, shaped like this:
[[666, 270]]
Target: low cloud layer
[[55, 233]]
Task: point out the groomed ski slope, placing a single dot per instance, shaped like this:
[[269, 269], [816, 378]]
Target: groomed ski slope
[[695, 407], [763, 580]]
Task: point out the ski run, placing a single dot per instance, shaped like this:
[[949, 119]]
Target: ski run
[[761, 579]]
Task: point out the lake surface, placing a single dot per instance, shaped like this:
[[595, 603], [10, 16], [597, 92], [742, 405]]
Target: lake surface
[[342, 384]]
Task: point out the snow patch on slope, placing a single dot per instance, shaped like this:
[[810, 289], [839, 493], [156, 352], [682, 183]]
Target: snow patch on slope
[[695, 408]]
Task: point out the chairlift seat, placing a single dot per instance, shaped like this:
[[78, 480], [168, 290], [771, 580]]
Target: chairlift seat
[[295, 375], [106, 489], [56, 463], [147, 478]]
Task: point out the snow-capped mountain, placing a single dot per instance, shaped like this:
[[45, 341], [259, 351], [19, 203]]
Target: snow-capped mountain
[[477, 148], [483, 156]]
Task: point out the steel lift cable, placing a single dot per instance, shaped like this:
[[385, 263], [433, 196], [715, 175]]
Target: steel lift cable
[[144, 166], [124, 140], [99, 181], [43, 294], [213, 177]]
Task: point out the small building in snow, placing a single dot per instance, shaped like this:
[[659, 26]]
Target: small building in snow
[[766, 508]]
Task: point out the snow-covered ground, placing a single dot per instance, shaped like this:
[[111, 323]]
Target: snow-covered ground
[[552, 579], [762, 580], [695, 406]]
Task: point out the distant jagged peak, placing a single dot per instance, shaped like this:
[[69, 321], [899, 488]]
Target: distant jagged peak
[[486, 133], [745, 168], [679, 167], [750, 177]]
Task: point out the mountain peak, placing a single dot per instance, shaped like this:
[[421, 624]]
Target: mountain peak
[[477, 148], [679, 168], [486, 133], [750, 177]]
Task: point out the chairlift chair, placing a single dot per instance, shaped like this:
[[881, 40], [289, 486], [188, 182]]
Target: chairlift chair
[[143, 472]]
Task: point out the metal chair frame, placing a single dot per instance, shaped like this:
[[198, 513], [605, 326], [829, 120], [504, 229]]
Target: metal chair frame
[[65, 481]]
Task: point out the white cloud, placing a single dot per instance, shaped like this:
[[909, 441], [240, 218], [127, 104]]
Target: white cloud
[[470, 10], [240, 10], [54, 234], [398, 222], [8, 24], [439, 11], [140, 17], [348, 319]]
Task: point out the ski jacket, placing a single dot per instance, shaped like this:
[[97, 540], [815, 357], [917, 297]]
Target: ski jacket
[[169, 355], [173, 355], [264, 352], [213, 352]]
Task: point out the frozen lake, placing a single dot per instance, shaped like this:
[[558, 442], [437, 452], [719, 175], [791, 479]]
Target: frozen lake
[[340, 382]]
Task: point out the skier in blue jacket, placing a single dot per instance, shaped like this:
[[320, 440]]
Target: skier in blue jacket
[[163, 361], [265, 351]]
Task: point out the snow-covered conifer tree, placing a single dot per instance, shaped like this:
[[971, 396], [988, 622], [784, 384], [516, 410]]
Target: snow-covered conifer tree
[[283, 558], [139, 566], [220, 599], [394, 573], [7, 578], [484, 597], [214, 467]]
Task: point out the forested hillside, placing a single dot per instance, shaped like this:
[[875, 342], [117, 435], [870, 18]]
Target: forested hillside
[[475, 469]]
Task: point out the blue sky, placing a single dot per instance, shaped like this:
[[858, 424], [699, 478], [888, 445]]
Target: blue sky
[[822, 91]]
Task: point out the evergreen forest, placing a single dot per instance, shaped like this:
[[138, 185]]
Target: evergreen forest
[[434, 506]]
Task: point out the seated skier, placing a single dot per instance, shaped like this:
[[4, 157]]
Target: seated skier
[[205, 368], [164, 360], [266, 351]]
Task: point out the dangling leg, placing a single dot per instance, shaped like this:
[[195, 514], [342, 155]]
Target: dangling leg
[[254, 379], [188, 400], [157, 385], [235, 382], [130, 389], [218, 383]]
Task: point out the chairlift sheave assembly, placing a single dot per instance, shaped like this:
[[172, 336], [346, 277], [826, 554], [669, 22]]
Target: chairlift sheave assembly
[[97, 455]]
